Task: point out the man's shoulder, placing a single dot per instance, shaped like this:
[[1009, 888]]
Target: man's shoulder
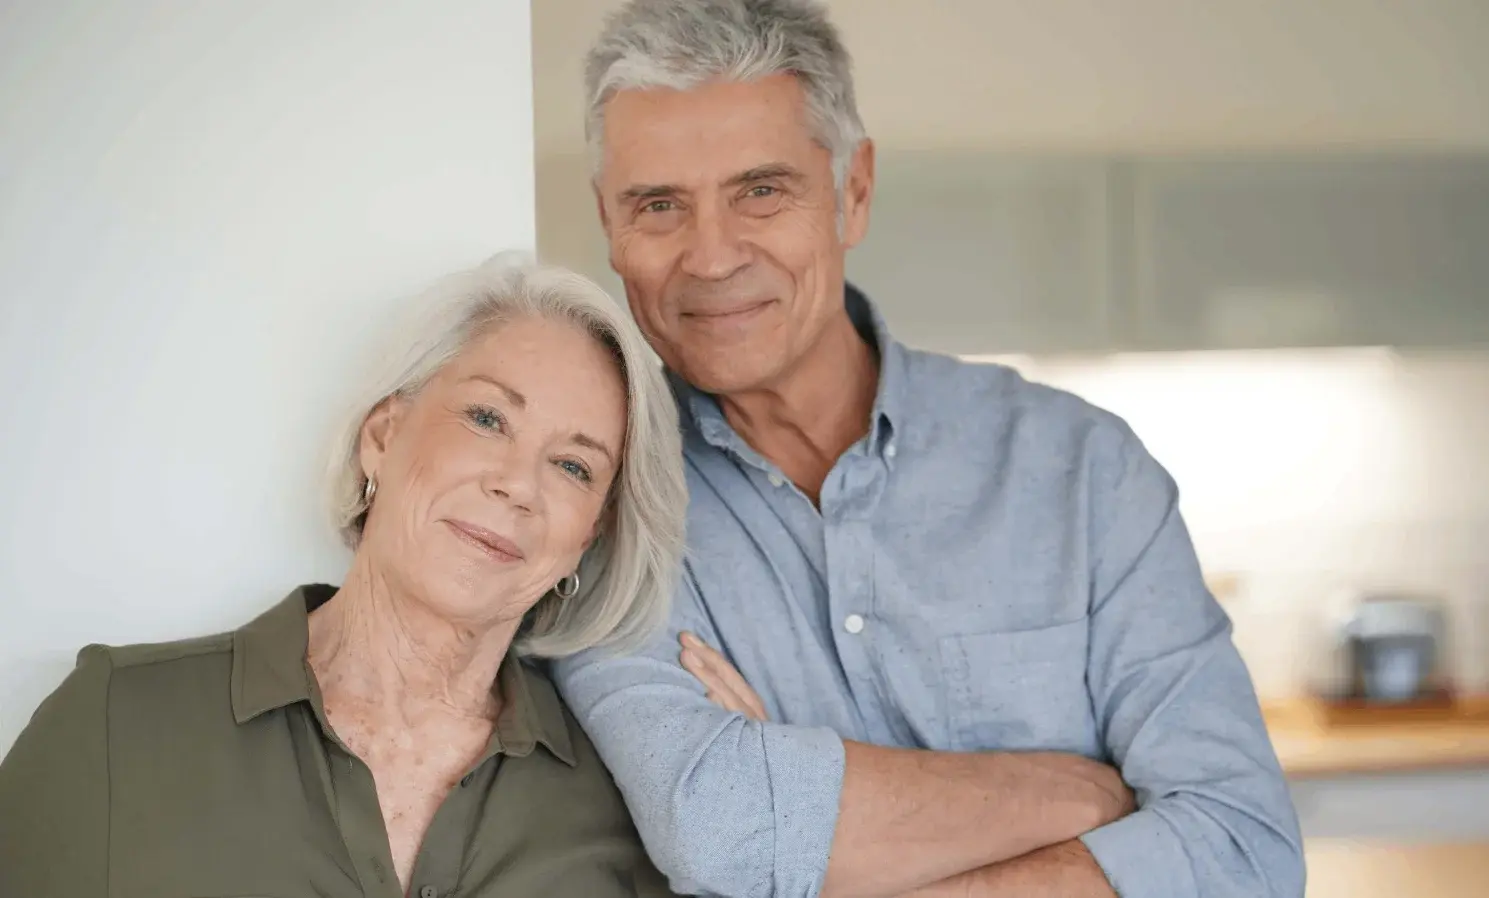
[[995, 400]]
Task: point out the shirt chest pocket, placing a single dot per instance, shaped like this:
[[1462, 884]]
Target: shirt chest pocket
[[1018, 690]]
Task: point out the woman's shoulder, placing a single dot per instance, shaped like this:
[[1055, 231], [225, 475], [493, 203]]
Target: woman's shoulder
[[582, 810], [164, 675], [141, 654], [156, 661], [201, 670], [118, 688], [560, 731]]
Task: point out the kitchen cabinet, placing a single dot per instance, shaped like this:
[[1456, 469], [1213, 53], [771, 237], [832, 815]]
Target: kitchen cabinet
[[1308, 745], [975, 254], [1442, 805], [1421, 778], [1345, 868], [990, 253], [1308, 251]]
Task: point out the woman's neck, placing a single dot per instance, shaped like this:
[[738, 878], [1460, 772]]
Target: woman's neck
[[384, 648]]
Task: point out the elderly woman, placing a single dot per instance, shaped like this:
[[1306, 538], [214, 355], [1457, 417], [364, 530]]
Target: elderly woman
[[512, 486]]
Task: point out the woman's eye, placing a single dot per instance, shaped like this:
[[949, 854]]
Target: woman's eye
[[485, 418], [576, 470]]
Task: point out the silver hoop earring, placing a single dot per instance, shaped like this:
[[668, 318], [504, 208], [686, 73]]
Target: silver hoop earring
[[567, 587], [369, 491]]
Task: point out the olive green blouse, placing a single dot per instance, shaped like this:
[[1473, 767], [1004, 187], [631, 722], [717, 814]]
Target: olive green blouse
[[206, 769]]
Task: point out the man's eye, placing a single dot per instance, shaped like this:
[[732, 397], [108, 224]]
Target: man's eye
[[658, 206], [762, 190]]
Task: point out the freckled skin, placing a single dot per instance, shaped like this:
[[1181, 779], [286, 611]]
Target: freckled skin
[[406, 654], [414, 768]]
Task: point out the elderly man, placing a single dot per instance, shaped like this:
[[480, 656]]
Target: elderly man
[[943, 599]]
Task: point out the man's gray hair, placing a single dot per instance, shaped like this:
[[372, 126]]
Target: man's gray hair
[[627, 575], [680, 44]]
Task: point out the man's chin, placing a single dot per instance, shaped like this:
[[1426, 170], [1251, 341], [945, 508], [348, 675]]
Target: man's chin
[[708, 375]]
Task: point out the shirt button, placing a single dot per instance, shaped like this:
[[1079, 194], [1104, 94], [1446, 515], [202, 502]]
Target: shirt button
[[776, 480], [853, 623], [890, 451], [428, 892]]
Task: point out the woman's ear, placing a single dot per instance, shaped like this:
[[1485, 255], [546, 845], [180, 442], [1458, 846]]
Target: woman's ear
[[378, 430]]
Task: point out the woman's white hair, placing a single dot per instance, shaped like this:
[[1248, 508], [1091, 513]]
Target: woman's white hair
[[627, 575], [680, 44]]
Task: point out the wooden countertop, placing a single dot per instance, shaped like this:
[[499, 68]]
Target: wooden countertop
[[1309, 746], [1340, 868]]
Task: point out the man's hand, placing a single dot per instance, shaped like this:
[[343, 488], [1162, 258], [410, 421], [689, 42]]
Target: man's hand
[[1118, 800], [726, 688]]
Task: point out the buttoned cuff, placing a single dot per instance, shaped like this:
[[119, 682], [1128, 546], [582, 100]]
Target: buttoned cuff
[[1142, 857], [805, 766]]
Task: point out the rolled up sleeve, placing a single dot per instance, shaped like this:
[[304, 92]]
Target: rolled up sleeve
[[725, 805], [1177, 708]]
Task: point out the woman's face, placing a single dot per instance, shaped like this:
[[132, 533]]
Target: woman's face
[[491, 480]]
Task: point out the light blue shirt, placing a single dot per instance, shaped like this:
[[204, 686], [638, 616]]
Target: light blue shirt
[[997, 565]]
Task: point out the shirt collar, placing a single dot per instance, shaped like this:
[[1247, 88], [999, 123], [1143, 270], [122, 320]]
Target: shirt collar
[[702, 409], [270, 672], [531, 714], [889, 398], [269, 666]]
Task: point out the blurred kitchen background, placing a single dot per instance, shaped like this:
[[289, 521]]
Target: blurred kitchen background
[[1258, 230]]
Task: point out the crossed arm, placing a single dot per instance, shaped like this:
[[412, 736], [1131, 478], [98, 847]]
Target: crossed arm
[[730, 805], [1029, 862], [733, 806]]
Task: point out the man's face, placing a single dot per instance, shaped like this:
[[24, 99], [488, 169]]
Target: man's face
[[722, 218]]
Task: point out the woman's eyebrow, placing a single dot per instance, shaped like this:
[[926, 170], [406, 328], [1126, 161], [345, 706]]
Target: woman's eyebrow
[[513, 396], [590, 442]]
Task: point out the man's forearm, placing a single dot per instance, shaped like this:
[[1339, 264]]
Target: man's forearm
[[1064, 870], [910, 818]]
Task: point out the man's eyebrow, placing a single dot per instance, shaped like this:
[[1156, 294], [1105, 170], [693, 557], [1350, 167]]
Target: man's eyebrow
[[648, 192], [769, 171]]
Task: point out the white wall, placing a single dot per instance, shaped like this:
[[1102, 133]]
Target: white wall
[[204, 209]]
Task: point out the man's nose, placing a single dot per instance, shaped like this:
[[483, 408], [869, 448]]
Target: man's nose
[[715, 250]]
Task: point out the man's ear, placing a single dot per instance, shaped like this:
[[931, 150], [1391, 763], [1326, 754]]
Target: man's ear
[[858, 193], [379, 429], [604, 225], [600, 207]]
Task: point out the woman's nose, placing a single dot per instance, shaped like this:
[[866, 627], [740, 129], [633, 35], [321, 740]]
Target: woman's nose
[[513, 479]]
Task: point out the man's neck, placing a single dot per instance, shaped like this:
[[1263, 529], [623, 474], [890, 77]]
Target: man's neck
[[816, 412]]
